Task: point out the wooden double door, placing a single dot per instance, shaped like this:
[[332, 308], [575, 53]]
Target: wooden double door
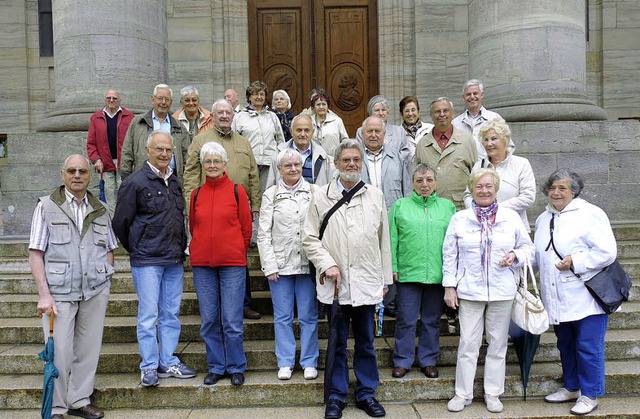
[[297, 45]]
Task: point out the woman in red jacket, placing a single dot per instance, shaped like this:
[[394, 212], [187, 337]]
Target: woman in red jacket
[[220, 225]]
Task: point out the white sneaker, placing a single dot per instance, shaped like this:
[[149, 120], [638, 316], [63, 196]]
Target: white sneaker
[[562, 396], [310, 373], [457, 404], [494, 405], [284, 373], [584, 405]]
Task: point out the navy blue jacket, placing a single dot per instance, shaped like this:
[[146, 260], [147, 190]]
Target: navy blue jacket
[[149, 219]]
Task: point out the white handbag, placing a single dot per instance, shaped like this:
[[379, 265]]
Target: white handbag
[[527, 311]]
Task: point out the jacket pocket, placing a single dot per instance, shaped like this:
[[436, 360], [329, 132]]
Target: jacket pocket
[[153, 200], [60, 232], [104, 272], [58, 277], [243, 157], [100, 233]]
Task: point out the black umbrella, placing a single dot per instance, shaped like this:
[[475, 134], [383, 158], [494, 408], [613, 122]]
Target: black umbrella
[[102, 197], [526, 345], [50, 372], [335, 316]]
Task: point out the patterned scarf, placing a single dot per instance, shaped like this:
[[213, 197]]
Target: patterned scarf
[[412, 130], [486, 216]]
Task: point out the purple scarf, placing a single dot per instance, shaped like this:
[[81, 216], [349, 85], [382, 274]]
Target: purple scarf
[[486, 217]]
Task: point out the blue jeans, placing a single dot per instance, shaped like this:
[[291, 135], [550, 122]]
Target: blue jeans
[[424, 301], [220, 293], [365, 364], [159, 290], [283, 292], [581, 346]]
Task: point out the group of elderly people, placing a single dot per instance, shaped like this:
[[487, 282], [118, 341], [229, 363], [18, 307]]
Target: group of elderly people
[[467, 259]]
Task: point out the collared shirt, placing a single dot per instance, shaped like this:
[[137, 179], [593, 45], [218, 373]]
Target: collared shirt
[[108, 114], [305, 153], [442, 138], [164, 177], [39, 237], [166, 127], [374, 163]]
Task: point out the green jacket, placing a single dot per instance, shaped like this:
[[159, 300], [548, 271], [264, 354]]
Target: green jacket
[[418, 226]]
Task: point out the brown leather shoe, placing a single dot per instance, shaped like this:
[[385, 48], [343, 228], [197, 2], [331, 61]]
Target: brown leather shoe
[[430, 372], [88, 412], [398, 372], [250, 314]]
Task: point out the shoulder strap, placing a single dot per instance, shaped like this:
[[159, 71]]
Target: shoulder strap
[[345, 199], [316, 168], [552, 244]]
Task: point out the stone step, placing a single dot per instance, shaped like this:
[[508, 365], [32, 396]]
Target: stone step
[[22, 282], [514, 408], [124, 358], [23, 391]]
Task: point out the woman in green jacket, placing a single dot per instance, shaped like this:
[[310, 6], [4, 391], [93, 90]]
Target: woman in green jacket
[[418, 225]]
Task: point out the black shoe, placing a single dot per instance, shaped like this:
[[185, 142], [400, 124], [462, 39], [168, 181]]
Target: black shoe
[[237, 378], [334, 409], [250, 314], [372, 407], [212, 378]]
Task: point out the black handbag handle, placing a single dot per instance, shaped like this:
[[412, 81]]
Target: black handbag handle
[[552, 244]]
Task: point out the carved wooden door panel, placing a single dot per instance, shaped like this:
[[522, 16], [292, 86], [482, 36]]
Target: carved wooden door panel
[[297, 45]]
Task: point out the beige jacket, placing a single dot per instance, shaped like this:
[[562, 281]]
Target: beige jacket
[[241, 168], [453, 164], [356, 241]]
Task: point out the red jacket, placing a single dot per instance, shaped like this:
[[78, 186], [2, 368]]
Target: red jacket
[[97, 142], [220, 226]]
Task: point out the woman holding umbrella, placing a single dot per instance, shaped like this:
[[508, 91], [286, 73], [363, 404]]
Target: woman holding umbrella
[[574, 241], [481, 246]]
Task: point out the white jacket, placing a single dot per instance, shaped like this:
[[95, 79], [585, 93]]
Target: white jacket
[[262, 129], [330, 133], [462, 266], [356, 241], [282, 216], [517, 185], [581, 230]]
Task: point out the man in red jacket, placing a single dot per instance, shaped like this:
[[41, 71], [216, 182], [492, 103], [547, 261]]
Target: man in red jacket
[[107, 129]]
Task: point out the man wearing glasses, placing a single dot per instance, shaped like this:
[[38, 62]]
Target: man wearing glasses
[[157, 119], [149, 222], [71, 259], [107, 129]]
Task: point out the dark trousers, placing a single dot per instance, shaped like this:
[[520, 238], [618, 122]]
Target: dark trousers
[[365, 365]]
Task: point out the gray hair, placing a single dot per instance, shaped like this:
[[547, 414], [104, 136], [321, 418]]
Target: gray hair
[[219, 102], [374, 101], [442, 99], [213, 149], [347, 144], [188, 90], [111, 90], [162, 87], [473, 82], [422, 168], [384, 124], [286, 96], [286, 154], [302, 115], [156, 133], [64, 164], [575, 181]]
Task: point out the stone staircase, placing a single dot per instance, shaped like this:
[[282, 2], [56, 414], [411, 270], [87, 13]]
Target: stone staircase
[[118, 383]]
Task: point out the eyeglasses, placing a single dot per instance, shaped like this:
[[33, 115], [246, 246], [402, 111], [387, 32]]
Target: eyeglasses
[[355, 160], [112, 98], [190, 100], [213, 162], [161, 150], [163, 99], [290, 166], [73, 170]]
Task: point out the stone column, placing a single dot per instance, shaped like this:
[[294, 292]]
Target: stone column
[[103, 44], [531, 56]]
